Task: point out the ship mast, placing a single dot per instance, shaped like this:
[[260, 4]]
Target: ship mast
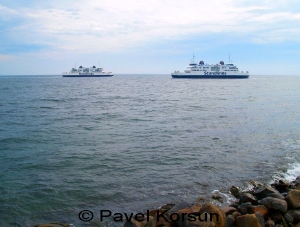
[[193, 60]]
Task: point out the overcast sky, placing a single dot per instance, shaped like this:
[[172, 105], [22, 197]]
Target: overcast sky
[[148, 36]]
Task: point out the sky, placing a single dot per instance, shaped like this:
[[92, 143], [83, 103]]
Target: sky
[[148, 36]]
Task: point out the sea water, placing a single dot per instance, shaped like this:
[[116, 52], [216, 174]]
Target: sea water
[[135, 142]]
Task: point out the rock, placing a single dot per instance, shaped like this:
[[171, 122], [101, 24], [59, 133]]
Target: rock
[[244, 207], [234, 204], [185, 213], [262, 192], [293, 199], [276, 215], [270, 223], [191, 209], [228, 210], [247, 220], [281, 185], [295, 214], [218, 216], [275, 195], [178, 206], [274, 203], [146, 223], [160, 219], [260, 219], [261, 209], [218, 196], [204, 220], [236, 214], [167, 206], [230, 221], [296, 187], [288, 218], [235, 191], [247, 197]]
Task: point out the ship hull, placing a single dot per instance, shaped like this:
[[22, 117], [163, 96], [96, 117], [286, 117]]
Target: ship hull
[[178, 76], [89, 75]]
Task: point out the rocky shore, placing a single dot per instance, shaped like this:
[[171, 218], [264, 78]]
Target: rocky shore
[[274, 205]]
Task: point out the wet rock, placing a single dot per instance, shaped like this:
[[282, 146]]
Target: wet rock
[[167, 206], [288, 218], [262, 192], [218, 196], [236, 214], [281, 185], [234, 204], [228, 210], [195, 208], [295, 214], [275, 195], [217, 215], [178, 206], [235, 191], [293, 199], [276, 215], [187, 213], [261, 209], [270, 223], [297, 179], [247, 220], [247, 197], [274, 203], [204, 220], [244, 207], [260, 219], [230, 221]]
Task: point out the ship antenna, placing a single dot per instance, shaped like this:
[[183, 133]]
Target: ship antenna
[[193, 58]]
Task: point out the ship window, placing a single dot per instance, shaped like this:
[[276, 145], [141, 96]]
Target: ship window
[[215, 68]]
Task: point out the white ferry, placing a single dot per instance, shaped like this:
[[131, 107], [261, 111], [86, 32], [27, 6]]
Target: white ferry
[[215, 71], [87, 72]]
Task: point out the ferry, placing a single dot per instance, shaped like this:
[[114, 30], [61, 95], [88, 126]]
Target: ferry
[[87, 72], [211, 71]]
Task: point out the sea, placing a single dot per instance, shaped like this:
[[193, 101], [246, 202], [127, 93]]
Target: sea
[[75, 150]]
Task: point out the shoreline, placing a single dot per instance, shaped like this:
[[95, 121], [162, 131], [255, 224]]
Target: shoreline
[[274, 204], [264, 205]]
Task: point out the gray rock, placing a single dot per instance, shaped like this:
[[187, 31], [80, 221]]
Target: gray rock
[[276, 195], [262, 192], [244, 207], [274, 203], [270, 223], [178, 206], [247, 197], [295, 214], [288, 218], [230, 221]]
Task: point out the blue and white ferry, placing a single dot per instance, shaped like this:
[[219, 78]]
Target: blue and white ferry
[[212, 71], [87, 72]]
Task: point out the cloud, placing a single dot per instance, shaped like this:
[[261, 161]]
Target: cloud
[[108, 25]]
